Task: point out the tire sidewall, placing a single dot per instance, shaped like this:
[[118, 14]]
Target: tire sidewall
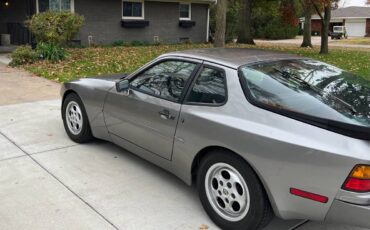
[[257, 195], [85, 131]]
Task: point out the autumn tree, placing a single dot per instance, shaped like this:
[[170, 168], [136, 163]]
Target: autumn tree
[[288, 12], [245, 22], [220, 32], [323, 9]]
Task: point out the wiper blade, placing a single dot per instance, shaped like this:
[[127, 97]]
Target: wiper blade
[[288, 75]]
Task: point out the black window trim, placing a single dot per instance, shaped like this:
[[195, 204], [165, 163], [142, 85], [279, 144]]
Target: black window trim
[[349, 130], [202, 67], [183, 93]]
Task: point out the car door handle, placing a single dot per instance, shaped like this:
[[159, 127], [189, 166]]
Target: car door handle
[[165, 114]]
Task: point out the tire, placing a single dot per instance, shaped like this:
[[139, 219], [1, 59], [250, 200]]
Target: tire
[[254, 213], [77, 127]]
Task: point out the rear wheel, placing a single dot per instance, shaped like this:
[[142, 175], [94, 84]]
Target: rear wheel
[[231, 193], [75, 119]]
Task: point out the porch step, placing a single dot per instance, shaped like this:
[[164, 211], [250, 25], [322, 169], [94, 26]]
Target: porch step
[[7, 49], [4, 58]]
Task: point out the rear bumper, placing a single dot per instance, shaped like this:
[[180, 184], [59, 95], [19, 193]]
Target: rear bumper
[[349, 214]]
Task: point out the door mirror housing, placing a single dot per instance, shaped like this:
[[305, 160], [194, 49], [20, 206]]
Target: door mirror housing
[[122, 86]]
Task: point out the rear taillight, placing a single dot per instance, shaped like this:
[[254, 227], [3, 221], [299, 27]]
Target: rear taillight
[[359, 179]]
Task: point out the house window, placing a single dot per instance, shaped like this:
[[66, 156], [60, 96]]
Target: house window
[[132, 9], [54, 5], [185, 11]]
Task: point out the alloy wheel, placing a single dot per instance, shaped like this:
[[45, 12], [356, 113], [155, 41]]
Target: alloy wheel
[[74, 118], [227, 192]]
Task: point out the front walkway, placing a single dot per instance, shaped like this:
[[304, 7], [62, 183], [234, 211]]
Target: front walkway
[[18, 86]]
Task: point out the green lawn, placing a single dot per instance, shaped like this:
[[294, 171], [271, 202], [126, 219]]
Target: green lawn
[[107, 60]]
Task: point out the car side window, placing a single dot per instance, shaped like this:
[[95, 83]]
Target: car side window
[[166, 79], [209, 87]]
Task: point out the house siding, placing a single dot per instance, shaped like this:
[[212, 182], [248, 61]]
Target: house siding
[[103, 22], [16, 12], [12, 20]]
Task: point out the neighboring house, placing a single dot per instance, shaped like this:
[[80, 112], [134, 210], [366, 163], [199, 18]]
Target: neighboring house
[[356, 19], [106, 21]]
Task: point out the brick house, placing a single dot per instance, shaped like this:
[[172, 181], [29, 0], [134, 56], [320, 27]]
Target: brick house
[[106, 21]]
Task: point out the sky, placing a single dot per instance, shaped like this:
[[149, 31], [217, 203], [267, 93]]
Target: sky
[[344, 3]]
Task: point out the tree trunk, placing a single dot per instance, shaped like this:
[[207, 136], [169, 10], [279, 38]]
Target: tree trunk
[[325, 23], [220, 32], [245, 22], [307, 29]]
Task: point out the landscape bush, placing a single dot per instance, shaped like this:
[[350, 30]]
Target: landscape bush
[[118, 43], [271, 27], [23, 55], [278, 30], [50, 51], [55, 27], [139, 43]]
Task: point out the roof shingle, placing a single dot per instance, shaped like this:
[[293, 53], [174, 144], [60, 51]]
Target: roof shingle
[[348, 12]]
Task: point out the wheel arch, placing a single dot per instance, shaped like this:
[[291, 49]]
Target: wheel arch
[[65, 94], [205, 151]]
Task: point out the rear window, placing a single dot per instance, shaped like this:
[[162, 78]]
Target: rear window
[[311, 88]]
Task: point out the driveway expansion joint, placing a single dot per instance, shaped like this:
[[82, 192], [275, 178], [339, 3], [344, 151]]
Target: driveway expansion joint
[[51, 150], [11, 158], [298, 225], [57, 179]]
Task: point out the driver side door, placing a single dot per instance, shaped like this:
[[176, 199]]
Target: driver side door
[[147, 115]]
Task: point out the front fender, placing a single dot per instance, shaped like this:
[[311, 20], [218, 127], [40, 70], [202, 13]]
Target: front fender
[[92, 93]]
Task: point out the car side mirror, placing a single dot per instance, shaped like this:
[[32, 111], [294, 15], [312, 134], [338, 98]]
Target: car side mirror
[[122, 86]]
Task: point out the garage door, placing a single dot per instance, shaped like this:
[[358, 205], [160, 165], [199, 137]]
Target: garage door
[[356, 28]]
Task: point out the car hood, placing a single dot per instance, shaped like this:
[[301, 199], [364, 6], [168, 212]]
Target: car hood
[[110, 77]]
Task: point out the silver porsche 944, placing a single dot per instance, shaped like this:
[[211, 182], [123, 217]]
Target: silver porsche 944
[[260, 133]]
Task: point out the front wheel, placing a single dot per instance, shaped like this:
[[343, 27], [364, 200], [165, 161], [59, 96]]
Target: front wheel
[[75, 119], [231, 192]]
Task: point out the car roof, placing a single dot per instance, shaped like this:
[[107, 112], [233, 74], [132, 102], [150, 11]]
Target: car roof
[[233, 57]]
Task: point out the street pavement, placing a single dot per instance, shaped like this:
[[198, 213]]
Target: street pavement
[[315, 40]]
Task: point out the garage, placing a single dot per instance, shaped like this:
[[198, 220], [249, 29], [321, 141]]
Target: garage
[[355, 18], [356, 27]]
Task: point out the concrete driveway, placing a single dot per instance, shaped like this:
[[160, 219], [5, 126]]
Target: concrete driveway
[[49, 182]]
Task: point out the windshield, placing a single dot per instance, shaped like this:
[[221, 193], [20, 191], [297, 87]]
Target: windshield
[[338, 29], [311, 88]]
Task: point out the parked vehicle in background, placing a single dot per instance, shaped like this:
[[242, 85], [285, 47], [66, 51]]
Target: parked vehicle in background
[[338, 32], [258, 132]]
